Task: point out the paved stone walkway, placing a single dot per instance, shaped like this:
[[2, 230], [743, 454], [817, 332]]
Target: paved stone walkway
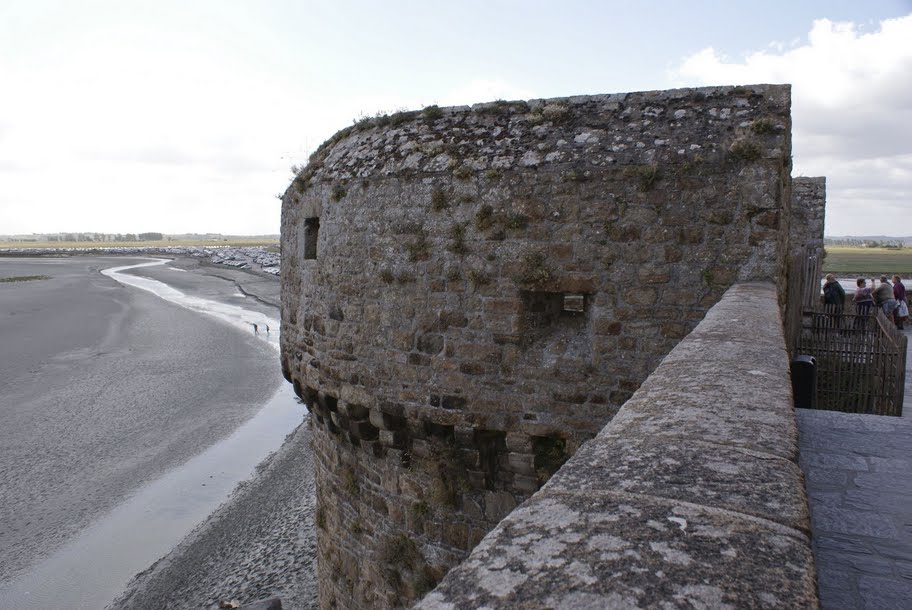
[[858, 471]]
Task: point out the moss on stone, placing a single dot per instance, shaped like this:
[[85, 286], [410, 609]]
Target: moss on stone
[[462, 172], [648, 176], [338, 192], [350, 481], [746, 150], [763, 126], [419, 249], [438, 200], [432, 113], [535, 272], [457, 240], [484, 218]]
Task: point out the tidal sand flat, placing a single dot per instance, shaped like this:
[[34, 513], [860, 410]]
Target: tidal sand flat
[[104, 389], [260, 544]]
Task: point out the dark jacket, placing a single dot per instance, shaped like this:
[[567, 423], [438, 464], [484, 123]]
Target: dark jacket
[[833, 294]]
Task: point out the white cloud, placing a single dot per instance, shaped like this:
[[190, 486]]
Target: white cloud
[[851, 111], [130, 133]]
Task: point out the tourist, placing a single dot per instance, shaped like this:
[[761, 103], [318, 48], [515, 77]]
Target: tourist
[[833, 293], [902, 305], [863, 302], [883, 297], [833, 300]]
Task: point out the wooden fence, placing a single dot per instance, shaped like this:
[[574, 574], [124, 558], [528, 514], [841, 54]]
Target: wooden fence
[[861, 356]]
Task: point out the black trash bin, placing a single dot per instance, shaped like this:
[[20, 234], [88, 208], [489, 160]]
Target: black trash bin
[[804, 382]]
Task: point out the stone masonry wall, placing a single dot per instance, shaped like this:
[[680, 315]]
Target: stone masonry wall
[[469, 294], [691, 497], [808, 214]]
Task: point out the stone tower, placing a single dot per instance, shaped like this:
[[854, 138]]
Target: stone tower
[[468, 294]]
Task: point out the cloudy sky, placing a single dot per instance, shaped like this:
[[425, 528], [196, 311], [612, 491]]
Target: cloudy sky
[[180, 116]]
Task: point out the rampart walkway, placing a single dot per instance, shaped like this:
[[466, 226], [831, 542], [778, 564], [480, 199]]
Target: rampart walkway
[[858, 471]]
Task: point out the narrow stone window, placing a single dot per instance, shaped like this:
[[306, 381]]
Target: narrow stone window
[[550, 454], [311, 230], [491, 446], [544, 312]]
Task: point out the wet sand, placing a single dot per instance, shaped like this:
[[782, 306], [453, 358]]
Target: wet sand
[[104, 388], [260, 544]]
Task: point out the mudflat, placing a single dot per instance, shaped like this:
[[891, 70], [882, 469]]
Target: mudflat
[[103, 388]]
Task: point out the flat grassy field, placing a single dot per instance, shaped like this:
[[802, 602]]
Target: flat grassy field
[[235, 243], [867, 262]]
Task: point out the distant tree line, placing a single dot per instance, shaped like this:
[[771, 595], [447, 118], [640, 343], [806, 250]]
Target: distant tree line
[[106, 237], [864, 243]]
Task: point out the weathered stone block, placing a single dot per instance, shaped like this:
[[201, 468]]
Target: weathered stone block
[[353, 411], [641, 295], [431, 344], [521, 463], [474, 368], [603, 549], [525, 484], [363, 430], [452, 402], [392, 438], [690, 470]]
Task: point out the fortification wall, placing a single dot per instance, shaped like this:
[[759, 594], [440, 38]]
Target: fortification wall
[[691, 497], [469, 294], [808, 214]]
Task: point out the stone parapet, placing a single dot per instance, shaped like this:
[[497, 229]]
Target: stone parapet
[[808, 214], [690, 497]]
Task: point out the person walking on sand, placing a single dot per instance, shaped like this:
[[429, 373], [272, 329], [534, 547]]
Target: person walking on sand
[[256, 329]]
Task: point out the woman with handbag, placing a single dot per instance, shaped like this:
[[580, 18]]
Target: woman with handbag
[[902, 308]]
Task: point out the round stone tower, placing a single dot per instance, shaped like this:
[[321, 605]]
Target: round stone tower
[[468, 294]]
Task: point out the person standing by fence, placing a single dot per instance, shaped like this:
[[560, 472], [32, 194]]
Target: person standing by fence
[[902, 305], [833, 293], [883, 296], [833, 300], [863, 302]]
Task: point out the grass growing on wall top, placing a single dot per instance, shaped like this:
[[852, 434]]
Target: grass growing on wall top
[[843, 260]]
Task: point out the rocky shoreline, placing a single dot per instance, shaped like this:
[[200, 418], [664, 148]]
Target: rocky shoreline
[[253, 258]]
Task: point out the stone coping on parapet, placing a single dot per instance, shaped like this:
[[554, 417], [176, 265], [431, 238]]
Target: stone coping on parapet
[[690, 497], [433, 113], [534, 112]]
